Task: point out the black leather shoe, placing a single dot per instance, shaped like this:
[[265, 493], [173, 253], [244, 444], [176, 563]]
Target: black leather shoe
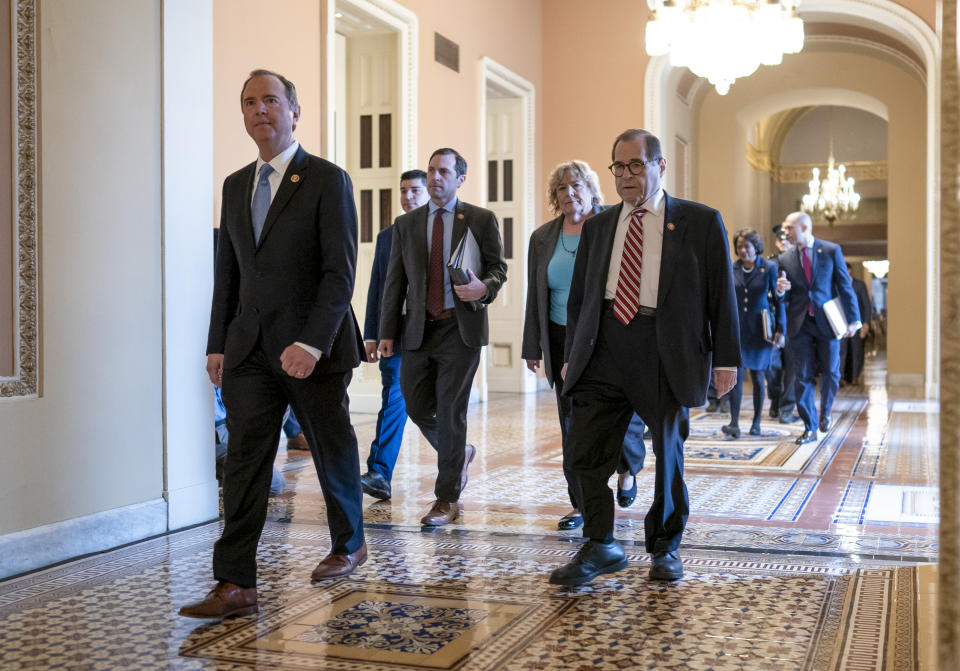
[[808, 436], [570, 522], [731, 430], [755, 429], [789, 417], [593, 559], [666, 566], [774, 412], [712, 405], [375, 485], [826, 422], [626, 497]]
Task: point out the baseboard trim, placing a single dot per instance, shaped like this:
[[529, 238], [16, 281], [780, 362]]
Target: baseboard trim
[[36, 548], [193, 505], [905, 379]]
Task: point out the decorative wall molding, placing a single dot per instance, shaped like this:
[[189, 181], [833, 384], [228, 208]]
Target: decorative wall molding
[[25, 131], [800, 173]]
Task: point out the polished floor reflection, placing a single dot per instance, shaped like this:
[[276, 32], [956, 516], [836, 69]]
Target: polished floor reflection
[[809, 557]]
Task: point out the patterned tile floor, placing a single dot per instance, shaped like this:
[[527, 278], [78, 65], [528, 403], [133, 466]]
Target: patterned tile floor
[[808, 558]]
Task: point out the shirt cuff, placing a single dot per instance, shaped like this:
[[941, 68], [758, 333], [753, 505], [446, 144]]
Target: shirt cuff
[[314, 352], [725, 368], [857, 324]]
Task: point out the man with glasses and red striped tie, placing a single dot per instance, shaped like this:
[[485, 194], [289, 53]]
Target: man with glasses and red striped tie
[[651, 311]]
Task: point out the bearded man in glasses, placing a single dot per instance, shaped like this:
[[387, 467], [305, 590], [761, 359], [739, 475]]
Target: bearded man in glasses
[[651, 312]]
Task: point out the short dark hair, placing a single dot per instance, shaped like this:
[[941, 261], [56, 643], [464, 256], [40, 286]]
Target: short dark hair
[[416, 173], [750, 236], [460, 162], [652, 141], [288, 86]]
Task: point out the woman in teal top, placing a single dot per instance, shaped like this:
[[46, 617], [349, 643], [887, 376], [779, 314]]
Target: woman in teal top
[[574, 195]]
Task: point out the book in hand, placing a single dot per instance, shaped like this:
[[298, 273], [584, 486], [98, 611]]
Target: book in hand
[[769, 325], [833, 311], [465, 256]]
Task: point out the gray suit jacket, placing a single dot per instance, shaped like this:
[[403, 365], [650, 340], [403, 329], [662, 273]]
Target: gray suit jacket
[[536, 322], [409, 265], [696, 306]]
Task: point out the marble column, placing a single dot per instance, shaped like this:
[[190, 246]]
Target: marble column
[[948, 590]]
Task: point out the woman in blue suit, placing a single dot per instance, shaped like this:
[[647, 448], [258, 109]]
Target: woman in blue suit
[[755, 282]]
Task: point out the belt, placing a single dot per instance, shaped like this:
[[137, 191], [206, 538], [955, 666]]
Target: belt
[[443, 316], [642, 310]]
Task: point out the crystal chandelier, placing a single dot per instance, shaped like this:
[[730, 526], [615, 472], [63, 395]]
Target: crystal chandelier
[[724, 39], [833, 196]]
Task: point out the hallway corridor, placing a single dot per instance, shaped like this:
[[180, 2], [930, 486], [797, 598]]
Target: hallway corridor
[[810, 557]]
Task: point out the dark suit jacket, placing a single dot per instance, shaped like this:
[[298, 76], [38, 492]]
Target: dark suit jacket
[[536, 321], [863, 300], [378, 276], [828, 279], [296, 285], [756, 292], [696, 307], [409, 265]]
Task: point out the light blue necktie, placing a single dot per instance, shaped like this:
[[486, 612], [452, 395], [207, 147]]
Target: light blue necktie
[[261, 201]]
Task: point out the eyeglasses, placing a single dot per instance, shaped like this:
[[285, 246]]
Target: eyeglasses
[[635, 167]]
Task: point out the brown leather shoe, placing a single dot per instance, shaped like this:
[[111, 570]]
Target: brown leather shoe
[[224, 600], [441, 513], [337, 566], [469, 452], [298, 442]]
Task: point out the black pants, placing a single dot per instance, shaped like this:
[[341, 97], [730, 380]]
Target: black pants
[[633, 451], [256, 394], [616, 383], [435, 381], [736, 395]]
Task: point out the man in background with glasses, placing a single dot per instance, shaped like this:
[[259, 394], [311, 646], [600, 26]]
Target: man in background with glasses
[[651, 310]]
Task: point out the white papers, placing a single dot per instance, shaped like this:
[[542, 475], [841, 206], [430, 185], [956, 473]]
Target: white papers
[[833, 311], [466, 255]]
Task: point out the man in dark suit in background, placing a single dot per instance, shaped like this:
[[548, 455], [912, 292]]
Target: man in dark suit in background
[[852, 348], [282, 331], [393, 412], [812, 273], [651, 309], [445, 325]]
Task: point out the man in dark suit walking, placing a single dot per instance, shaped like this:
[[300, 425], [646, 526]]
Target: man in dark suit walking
[[282, 331], [811, 274], [445, 324], [651, 310], [393, 412], [852, 349]]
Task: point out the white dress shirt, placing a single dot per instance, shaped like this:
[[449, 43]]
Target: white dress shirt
[[652, 239], [279, 163]]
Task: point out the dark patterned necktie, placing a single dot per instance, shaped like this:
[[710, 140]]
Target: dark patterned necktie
[[627, 300], [435, 276]]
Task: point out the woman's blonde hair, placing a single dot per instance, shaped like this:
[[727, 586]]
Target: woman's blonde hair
[[582, 170]]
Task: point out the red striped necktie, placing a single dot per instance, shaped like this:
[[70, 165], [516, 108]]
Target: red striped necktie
[[627, 300]]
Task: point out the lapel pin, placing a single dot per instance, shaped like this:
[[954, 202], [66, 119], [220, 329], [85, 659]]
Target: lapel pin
[[763, 270], [819, 251], [460, 216], [294, 178], [670, 226]]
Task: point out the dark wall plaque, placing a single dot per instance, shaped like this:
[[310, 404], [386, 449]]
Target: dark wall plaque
[[386, 140], [507, 180], [492, 181], [446, 52]]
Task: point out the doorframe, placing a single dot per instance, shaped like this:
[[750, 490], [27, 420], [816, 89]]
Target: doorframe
[[492, 72], [406, 24]]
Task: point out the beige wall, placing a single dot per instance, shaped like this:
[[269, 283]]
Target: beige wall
[[93, 442], [449, 102], [722, 135], [593, 69]]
